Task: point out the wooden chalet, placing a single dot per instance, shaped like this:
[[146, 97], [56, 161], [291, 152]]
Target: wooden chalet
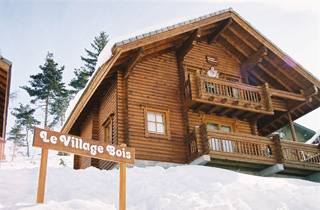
[[5, 74], [155, 93]]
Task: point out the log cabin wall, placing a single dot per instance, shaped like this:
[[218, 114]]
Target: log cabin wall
[[196, 59], [85, 132], [154, 84], [238, 126], [107, 110], [122, 130]]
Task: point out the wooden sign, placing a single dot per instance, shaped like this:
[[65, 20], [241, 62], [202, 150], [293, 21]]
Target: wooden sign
[[212, 60], [47, 139], [74, 144]]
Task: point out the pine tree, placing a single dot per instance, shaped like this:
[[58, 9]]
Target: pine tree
[[26, 121], [46, 87], [82, 74], [59, 108], [98, 44], [16, 135], [80, 80]]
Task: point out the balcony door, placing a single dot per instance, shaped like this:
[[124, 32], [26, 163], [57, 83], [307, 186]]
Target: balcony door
[[223, 145]]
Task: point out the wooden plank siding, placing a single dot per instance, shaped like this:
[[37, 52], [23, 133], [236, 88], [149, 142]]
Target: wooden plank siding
[[196, 59], [85, 132], [154, 83], [108, 110]]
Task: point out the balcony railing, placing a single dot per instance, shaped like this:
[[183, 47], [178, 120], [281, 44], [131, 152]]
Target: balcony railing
[[255, 149], [303, 155], [241, 146], [229, 94]]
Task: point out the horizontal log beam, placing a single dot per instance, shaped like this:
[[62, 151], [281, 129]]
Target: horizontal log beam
[[287, 95]]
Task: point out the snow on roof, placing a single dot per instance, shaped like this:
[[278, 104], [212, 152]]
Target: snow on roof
[[106, 53]]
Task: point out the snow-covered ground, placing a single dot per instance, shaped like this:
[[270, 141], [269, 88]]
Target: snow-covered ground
[[150, 188]]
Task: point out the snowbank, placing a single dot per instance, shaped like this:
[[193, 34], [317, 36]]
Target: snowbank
[[156, 188]]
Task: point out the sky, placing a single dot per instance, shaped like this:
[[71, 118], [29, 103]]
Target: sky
[[30, 29]]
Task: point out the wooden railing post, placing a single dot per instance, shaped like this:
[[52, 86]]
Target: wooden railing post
[[204, 138], [199, 83], [292, 129], [267, 96], [278, 148]]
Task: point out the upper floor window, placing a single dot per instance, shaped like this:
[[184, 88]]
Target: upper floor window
[[157, 122], [219, 127], [108, 131]]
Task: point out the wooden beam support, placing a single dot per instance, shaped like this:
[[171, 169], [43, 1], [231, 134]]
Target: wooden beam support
[[242, 38], [235, 45], [218, 30], [232, 50], [287, 95], [278, 68], [257, 76], [224, 111], [292, 110], [214, 109], [254, 59], [275, 77], [293, 131], [188, 44], [133, 61]]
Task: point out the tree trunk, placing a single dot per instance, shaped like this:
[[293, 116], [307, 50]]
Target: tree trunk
[[46, 113], [27, 140]]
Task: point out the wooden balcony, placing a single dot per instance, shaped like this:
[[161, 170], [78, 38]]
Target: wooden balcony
[[253, 150], [202, 91]]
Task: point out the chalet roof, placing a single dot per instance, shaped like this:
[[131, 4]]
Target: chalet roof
[[172, 37]]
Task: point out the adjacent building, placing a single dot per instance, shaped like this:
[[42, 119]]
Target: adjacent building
[[5, 75]]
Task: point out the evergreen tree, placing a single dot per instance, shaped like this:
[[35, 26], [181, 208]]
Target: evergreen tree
[[26, 121], [82, 74], [46, 87], [80, 80], [59, 108], [16, 135]]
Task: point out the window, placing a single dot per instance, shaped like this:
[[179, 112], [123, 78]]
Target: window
[[225, 128], [157, 123], [212, 126], [108, 131], [219, 127]]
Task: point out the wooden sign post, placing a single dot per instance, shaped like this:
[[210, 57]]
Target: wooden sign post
[[122, 186], [47, 139], [42, 176]]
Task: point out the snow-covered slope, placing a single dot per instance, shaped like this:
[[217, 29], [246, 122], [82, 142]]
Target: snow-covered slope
[[155, 188]]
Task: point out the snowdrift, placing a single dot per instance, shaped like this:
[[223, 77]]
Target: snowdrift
[[155, 188]]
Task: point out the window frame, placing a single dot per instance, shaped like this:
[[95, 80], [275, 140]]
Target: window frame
[[166, 123], [108, 122], [219, 125], [232, 123]]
